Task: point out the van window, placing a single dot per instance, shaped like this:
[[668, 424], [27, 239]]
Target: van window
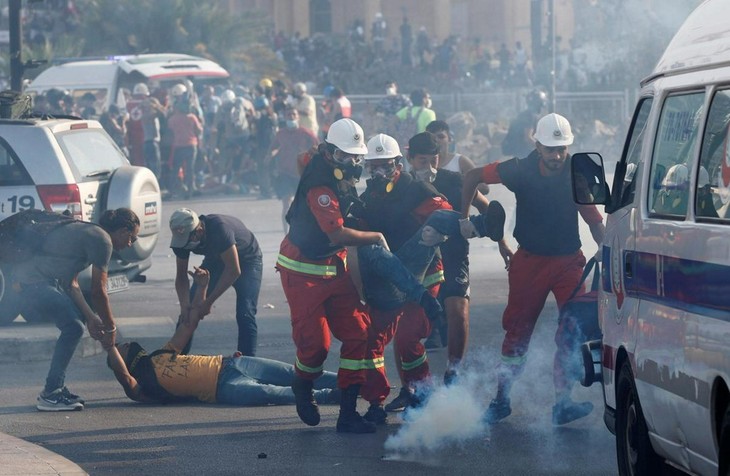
[[634, 146], [675, 143], [713, 180]]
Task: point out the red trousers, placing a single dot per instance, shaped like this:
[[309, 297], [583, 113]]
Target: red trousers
[[409, 325], [531, 279], [318, 306]]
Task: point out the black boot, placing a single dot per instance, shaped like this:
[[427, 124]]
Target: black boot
[[306, 405], [350, 420], [490, 224]]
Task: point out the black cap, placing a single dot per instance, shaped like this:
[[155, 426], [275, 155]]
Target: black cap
[[423, 143]]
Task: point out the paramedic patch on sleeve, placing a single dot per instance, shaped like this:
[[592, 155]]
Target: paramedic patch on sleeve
[[324, 200]]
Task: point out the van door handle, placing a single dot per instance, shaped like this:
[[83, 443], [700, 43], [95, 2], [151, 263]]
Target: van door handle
[[628, 269], [90, 200]]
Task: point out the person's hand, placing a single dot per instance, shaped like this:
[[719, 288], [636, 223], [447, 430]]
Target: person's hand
[[382, 242], [506, 253], [109, 337], [201, 276], [237, 353], [95, 326], [467, 228]]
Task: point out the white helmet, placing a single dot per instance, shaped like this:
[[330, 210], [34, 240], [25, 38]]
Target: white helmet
[[382, 146], [300, 88], [141, 89], [347, 135], [677, 177], [228, 96], [553, 130], [178, 90]]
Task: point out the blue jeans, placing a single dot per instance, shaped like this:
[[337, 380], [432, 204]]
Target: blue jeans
[[257, 381], [151, 151], [49, 299], [391, 279], [247, 288]]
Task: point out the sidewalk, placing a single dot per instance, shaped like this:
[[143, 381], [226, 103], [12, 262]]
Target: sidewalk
[[20, 458]]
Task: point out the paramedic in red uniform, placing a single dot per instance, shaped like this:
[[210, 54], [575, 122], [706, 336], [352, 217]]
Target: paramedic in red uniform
[[315, 278], [398, 205], [549, 258]]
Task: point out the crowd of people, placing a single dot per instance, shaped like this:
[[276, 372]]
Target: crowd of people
[[404, 239]]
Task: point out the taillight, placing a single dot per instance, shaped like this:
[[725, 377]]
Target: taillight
[[59, 198], [82, 125]]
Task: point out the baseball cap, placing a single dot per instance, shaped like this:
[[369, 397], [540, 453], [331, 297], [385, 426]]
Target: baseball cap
[[182, 222]]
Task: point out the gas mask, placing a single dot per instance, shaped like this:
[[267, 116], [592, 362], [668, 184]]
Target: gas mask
[[347, 166], [381, 177], [425, 175], [292, 124]]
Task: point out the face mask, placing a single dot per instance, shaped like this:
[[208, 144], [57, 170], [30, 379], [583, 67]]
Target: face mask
[[380, 184], [191, 245], [292, 124], [427, 103], [391, 91], [425, 175]]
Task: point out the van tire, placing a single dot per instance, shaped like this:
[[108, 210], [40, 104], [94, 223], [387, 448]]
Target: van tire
[[10, 301], [725, 445], [635, 455]]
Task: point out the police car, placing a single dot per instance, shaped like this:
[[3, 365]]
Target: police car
[[70, 164]]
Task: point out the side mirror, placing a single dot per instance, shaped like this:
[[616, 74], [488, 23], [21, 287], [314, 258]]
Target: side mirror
[[589, 179]]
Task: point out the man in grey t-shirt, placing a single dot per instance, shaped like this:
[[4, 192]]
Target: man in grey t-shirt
[[50, 287]]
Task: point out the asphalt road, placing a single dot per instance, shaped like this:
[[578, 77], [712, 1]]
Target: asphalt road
[[116, 436]]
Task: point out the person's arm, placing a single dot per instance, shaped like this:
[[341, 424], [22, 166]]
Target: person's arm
[[93, 322], [130, 385], [344, 236], [184, 332], [231, 272], [100, 302], [480, 202], [593, 218], [182, 287], [472, 179], [465, 164]]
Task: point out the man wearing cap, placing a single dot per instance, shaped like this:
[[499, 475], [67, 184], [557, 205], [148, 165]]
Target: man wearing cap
[[549, 258], [316, 279], [232, 256]]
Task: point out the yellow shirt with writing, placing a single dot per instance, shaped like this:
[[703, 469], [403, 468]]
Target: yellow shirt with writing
[[188, 375]]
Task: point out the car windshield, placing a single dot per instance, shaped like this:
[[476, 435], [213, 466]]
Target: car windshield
[[90, 152]]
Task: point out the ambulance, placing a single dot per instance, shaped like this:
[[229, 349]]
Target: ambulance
[[664, 300]]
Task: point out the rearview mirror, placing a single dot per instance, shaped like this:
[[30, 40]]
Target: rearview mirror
[[589, 179]]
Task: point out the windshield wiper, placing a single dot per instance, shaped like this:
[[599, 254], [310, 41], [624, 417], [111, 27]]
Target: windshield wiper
[[97, 173]]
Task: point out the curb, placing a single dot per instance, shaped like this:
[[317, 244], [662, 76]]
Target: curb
[[21, 458], [29, 343]]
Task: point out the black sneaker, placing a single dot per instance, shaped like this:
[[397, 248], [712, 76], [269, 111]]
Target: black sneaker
[[376, 414], [499, 409], [567, 410], [406, 398], [57, 402], [72, 396], [490, 224], [450, 377]]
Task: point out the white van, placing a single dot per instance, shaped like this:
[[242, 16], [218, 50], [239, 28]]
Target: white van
[[106, 78], [664, 303]]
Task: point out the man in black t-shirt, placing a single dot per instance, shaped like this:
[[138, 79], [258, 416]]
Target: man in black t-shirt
[[231, 255]]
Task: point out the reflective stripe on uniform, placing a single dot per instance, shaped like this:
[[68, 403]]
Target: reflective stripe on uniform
[[364, 364], [434, 278], [412, 365], [515, 361], [306, 268], [309, 370]]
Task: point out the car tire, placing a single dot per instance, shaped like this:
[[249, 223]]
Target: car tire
[[724, 469], [10, 301], [634, 452]]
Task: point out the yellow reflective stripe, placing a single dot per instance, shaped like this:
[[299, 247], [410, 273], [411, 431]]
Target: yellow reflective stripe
[[516, 361], [309, 370], [434, 278], [412, 365], [364, 364], [307, 268]]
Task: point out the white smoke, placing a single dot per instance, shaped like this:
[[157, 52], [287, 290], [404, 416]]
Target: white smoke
[[451, 415]]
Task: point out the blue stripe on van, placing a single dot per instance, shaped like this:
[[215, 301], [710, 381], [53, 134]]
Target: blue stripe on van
[[693, 286]]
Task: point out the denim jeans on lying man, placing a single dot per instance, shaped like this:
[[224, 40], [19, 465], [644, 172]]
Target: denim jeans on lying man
[[391, 279]]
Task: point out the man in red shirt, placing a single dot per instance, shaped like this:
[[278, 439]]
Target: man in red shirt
[[549, 258], [316, 280], [289, 142], [186, 130]]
